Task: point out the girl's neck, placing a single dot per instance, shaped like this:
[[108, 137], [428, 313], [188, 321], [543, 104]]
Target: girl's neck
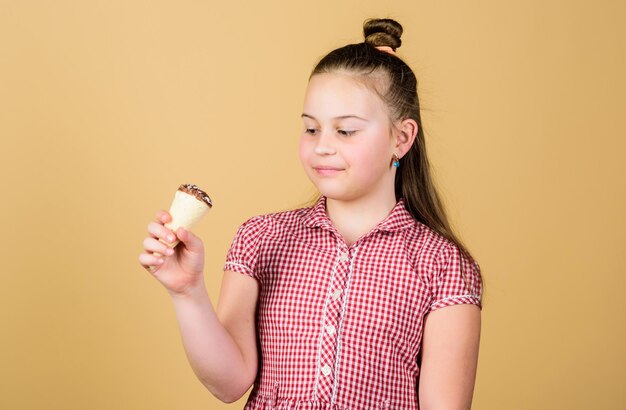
[[353, 219]]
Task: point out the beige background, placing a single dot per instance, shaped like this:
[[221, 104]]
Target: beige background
[[107, 106]]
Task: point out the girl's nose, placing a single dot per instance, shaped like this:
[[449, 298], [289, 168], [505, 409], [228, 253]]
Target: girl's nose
[[324, 144]]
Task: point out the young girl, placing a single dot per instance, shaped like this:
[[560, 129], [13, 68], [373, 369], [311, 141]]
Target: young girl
[[337, 306]]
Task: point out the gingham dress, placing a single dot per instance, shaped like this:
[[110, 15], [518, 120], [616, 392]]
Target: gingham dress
[[340, 327]]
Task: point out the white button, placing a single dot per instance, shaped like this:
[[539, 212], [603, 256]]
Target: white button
[[337, 294], [343, 257], [330, 329], [326, 370]]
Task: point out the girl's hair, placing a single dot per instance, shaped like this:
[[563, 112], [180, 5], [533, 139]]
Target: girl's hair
[[394, 82]]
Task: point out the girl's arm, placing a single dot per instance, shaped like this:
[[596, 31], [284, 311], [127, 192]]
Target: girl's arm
[[221, 347], [449, 358]]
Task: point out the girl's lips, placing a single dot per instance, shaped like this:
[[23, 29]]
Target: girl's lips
[[327, 171]]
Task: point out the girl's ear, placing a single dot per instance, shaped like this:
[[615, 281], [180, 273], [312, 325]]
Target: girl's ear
[[407, 131]]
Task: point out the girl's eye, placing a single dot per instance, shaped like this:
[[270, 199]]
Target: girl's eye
[[345, 133], [311, 131]]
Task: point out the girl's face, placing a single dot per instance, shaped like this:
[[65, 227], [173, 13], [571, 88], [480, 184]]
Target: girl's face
[[346, 146]]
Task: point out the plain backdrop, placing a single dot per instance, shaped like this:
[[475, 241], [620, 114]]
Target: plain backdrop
[[106, 107]]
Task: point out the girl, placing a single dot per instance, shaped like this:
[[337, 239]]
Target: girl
[[337, 306]]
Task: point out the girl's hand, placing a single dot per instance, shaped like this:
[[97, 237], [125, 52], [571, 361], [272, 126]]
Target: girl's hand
[[179, 269]]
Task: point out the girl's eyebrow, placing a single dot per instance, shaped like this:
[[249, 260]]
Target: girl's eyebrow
[[341, 117]]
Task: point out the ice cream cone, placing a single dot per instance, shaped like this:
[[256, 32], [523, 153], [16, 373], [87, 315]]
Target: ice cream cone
[[190, 204]]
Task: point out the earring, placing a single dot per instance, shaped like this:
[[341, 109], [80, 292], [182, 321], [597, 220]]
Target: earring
[[396, 161]]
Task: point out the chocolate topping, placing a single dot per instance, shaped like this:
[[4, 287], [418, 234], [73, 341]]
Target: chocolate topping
[[197, 192]]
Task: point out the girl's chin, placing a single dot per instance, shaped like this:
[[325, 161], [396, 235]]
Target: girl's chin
[[333, 192]]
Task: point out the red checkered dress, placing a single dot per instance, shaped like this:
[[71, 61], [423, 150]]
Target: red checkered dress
[[340, 327]]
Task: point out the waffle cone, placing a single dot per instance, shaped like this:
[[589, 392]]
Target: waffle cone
[[186, 211]]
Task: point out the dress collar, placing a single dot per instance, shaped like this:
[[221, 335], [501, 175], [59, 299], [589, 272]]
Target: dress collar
[[399, 218]]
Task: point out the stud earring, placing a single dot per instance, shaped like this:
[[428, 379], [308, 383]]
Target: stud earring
[[396, 161]]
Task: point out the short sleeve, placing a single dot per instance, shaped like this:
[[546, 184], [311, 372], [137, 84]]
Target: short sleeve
[[450, 286], [243, 255]]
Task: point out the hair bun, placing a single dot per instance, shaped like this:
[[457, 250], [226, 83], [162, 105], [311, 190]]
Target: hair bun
[[382, 32]]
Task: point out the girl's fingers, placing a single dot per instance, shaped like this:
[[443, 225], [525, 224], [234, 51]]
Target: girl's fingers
[[191, 241], [155, 248], [159, 231], [153, 245], [163, 216], [147, 260]]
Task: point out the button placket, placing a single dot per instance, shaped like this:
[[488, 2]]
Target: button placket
[[331, 322], [344, 307]]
